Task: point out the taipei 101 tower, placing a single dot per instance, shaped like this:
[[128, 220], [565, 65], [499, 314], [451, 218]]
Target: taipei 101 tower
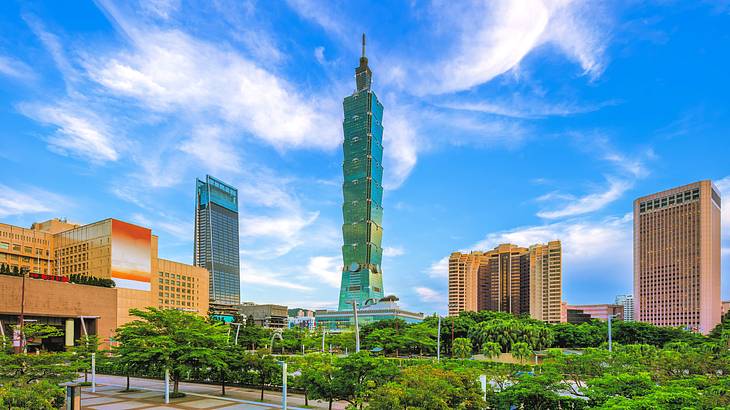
[[361, 290], [362, 211]]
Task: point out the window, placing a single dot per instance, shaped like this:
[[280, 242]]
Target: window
[[16, 247], [4, 245]]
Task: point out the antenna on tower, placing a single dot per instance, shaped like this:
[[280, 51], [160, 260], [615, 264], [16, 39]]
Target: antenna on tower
[[363, 45]]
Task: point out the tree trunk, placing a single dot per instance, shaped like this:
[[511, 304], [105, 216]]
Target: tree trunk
[[127, 381], [262, 390], [223, 383], [175, 384], [306, 398], [86, 376], [330, 403]]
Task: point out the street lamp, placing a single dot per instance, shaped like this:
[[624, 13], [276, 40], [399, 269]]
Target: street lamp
[[438, 342], [357, 325], [283, 384], [610, 341]]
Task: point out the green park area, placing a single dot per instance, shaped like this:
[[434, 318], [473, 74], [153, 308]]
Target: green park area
[[526, 364]]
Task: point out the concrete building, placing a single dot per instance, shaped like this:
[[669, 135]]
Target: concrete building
[[576, 313], [268, 315], [677, 257], [508, 278], [107, 249], [627, 301]]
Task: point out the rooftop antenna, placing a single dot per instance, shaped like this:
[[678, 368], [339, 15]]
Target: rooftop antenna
[[363, 45]]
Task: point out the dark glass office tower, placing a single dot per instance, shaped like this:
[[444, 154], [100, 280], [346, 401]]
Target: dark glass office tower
[[362, 277], [216, 238]]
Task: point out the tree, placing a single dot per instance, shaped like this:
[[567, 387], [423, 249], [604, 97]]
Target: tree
[[35, 333], [522, 351], [540, 392], [43, 395], [265, 367], [491, 349], [319, 378], [85, 347], [171, 339], [461, 348], [359, 374], [509, 331], [420, 337], [429, 387]]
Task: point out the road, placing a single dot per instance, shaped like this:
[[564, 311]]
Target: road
[[199, 396]]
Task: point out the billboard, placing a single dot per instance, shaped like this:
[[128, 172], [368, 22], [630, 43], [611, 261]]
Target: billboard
[[131, 256]]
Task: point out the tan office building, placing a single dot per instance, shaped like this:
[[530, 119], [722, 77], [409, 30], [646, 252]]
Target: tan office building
[[508, 278], [677, 257], [108, 249]]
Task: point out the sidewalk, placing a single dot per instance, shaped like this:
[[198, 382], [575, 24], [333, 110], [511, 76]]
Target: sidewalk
[[149, 395]]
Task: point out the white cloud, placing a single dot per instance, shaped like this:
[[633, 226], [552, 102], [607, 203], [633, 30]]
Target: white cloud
[[176, 228], [430, 295], [254, 275], [78, 132], [393, 251], [211, 147], [588, 203], [160, 8], [440, 268], [400, 149], [524, 109], [494, 37], [319, 54], [168, 71], [13, 67], [328, 269], [29, 200]]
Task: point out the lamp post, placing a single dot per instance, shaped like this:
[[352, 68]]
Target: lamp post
[[283, 385], [357, 325], [610, 335], [438, 342]]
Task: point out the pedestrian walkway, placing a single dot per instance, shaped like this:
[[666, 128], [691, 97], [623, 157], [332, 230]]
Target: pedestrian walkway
[[148, 394]]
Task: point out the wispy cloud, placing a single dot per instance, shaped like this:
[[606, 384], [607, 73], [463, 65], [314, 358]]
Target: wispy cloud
[[254, 275], [29, 200], [590, 202], [12, 67], [78, 132], [440, 268], [525, 109], [393, 251]]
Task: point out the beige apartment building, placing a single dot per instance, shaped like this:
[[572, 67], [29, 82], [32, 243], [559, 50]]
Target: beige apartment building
[[677, 257], [508, 278], [108, 249]]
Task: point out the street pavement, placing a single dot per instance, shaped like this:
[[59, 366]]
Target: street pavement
[[149, 395]]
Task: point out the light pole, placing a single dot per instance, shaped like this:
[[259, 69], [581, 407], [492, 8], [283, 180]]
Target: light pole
[[610, 336], [438, 342], [283, 384], [357, 325]]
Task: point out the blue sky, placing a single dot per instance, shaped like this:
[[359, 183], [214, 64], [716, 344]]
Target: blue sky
[[504, 121]]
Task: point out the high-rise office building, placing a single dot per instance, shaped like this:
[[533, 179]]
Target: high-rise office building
[[508, 278], [216, 238], [627, 301], [362, 277], [677, 257]]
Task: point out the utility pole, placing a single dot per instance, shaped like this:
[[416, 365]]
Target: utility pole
[[357, 327], [610, 345]]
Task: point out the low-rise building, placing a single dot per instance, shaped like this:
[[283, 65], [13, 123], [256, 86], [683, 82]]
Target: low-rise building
[[267, 315], [385, 308], [583, 313]]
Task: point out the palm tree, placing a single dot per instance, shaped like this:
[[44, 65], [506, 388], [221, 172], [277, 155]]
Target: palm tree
[[522, 351], [491, 349]]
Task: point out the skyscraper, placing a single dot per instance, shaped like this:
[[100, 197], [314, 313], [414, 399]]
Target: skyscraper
[[677, 257], [216, 238], [627, 301], [362, 277], [508, 278]]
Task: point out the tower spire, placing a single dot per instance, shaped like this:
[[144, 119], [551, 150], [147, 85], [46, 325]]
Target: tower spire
[[363, 75], [363, 45]]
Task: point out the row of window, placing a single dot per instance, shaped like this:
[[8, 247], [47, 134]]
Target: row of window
[[23, 238], [24, 249], [682, 197]]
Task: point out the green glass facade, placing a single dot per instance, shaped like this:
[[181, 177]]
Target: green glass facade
[[362, 211]]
